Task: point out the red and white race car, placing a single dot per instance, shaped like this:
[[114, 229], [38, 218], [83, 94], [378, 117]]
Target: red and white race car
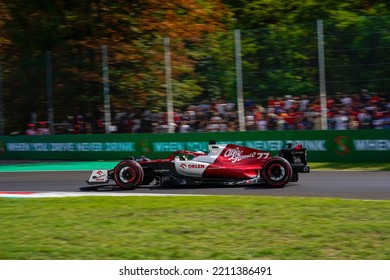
[[224, 164]]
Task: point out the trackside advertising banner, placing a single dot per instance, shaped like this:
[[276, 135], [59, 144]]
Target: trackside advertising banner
[[329, 146]]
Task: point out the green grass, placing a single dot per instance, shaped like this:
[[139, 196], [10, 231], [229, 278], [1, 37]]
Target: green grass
[[350, 166], [195, 227]]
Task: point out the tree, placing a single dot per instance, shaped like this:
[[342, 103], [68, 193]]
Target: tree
[[4, 37], [255, 14], [74, 31], [279, 44], [192, 26]]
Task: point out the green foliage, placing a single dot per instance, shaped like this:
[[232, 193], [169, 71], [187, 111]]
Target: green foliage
[[359, 59], [280, 60], [254, 14], [208, 227], [75, 31], [279, 44], [279, 48]]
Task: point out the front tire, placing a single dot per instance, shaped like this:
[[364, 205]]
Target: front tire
[[276, 172], [128, 174]]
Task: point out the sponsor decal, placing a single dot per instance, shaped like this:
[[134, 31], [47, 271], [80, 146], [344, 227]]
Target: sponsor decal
[[144, 146], [72, 147], [310, 145], [296, 159], [271, 145], [161, 170], [100, 180], [268, 145], [99, 175], [192, 166], [168, 146], [342, 145], [236, 154], [372, 145]]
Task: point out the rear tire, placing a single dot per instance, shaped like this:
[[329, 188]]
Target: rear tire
[[276, 172], [128, 174]]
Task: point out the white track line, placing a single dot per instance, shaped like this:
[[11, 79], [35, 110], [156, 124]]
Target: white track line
[[79, 194]]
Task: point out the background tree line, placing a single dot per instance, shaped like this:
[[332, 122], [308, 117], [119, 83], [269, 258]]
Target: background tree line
[[202, 49]]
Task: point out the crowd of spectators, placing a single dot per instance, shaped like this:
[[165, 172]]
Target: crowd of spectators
[[344, 111], [356, 111], [40, 128]]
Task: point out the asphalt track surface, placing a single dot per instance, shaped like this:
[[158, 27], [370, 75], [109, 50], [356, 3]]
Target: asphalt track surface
[[368, 185]]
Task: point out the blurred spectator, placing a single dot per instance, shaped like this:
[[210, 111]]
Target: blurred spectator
[[232, 126], [31, 129], [184, 127], [262, 123], [353, 123], [43, 129], [304, 103], [288, 102], [216, 124], [290, 119], [382, 122], [280, 122], [346, 101], [250, 122], [364, 119], [340, 121], [162, 127]]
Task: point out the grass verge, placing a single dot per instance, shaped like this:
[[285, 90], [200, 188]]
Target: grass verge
[[350, 166], [195, 227]]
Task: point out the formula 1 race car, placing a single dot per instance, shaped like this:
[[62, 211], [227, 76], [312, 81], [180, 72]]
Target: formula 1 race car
[[225, 164]]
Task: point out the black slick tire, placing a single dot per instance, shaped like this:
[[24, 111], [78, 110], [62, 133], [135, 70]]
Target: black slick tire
[[276, 172], [128, 174]]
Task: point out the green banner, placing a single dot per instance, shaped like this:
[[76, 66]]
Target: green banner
[[323, 146]]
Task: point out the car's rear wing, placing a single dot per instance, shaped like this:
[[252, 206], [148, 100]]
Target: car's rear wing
[[297, 157]]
